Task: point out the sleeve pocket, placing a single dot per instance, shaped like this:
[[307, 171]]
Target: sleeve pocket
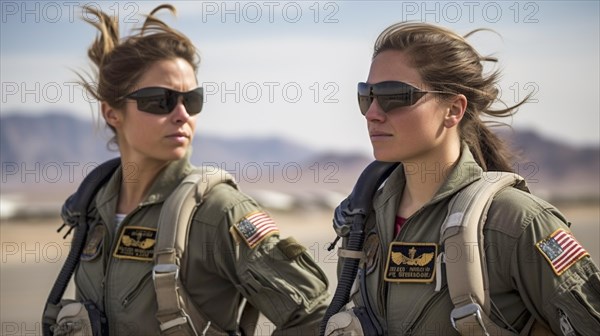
[[281, 278], [581, 305], [594, 282], [309, 275], [274, 303]]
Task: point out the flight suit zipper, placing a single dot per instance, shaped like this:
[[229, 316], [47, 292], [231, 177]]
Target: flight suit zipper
[[383, 292], [114, 241], [566, 326]]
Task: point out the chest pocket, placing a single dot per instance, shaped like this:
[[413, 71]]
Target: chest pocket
[[130, 269], [138, 291], [425, 311], [413, 306]]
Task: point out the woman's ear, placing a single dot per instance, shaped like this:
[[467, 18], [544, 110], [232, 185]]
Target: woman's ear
[[456, 110], [112, 116]]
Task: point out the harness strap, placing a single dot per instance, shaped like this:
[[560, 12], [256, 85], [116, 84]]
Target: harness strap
[[165, 273], [466, 270], [469, 319], [170, 313], [174, 308], [248, 318]]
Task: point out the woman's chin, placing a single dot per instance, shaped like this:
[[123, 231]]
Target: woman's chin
[[385, 156], [178, 154], [173, 155]]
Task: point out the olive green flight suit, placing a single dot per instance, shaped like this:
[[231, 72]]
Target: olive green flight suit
[[522, 280], [276, 276]]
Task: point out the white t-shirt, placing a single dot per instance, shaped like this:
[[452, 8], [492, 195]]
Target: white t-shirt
[[118, 219]]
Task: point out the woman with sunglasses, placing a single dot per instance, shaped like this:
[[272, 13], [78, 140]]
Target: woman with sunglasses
[[150, 98], [423, 102]]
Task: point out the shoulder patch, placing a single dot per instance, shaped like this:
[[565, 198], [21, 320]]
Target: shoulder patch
[[372, 255], [93, 245], [255, 227], [561, 250]]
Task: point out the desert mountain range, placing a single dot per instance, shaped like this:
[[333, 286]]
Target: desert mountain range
[[48, 155]]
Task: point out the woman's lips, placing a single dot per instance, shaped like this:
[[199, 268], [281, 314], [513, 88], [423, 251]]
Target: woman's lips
[[180, 137], [379, 136]]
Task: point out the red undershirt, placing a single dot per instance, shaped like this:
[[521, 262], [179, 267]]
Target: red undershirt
[[399, 222]]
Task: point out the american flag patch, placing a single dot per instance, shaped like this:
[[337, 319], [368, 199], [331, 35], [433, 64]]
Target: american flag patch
[[255, 227], [561, 250]]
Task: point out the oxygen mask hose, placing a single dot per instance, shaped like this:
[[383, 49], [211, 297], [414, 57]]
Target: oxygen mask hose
[[350, 217], [82, 198]]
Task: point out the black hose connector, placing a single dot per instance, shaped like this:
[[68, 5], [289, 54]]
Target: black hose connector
[[84, 195], [360, 204]]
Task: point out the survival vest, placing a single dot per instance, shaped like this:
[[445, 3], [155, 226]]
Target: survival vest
[[176, 313]]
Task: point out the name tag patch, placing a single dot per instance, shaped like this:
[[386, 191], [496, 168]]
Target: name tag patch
[[93, 245], [410, 262], [136, 243]]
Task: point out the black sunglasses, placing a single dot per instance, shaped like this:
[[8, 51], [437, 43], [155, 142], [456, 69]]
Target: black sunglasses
[[389, 95], [158, 100]]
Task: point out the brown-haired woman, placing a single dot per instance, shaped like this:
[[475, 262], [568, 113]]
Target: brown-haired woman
[[423, 102], [149, 94]]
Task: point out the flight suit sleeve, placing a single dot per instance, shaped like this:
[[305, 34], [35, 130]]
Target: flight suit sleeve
[[556, 277], [277, 276]]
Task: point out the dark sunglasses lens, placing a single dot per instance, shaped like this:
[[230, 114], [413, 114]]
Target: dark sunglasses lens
[[389, 95], [364, 102], [193, 101], [153, 100], [154, 105], [390, 102], [392, 88], [163, 101], [364, 97], [364, 89]]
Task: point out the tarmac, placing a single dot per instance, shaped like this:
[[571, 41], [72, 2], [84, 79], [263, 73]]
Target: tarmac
[[33, 253]]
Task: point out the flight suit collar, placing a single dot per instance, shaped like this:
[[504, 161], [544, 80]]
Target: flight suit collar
[[465, 172], [167, 180]]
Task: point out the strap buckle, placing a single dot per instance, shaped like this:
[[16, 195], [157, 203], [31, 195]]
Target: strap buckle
[[471, 309], [173, 323], [164, 269]]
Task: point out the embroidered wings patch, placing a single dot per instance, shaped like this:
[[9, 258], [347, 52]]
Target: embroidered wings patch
[[410, 262], [255, 227], [136, 243], [561, 250]]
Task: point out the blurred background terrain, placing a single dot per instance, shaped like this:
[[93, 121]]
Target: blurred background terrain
[[45, 157]]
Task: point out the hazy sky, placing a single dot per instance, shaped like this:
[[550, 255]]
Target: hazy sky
[[289, 69]]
